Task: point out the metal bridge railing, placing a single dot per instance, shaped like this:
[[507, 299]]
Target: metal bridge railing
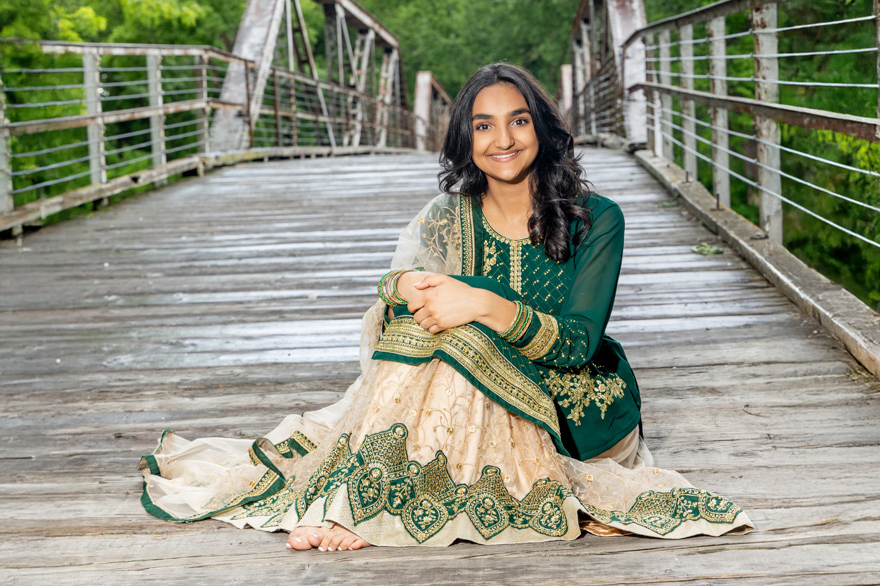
[[703, 89], [81, 122], [94, 120]]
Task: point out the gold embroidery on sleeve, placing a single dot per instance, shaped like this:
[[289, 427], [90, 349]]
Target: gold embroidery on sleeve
[[544, 339], [476, 352]]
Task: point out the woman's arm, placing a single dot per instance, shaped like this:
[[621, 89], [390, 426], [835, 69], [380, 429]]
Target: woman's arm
[[440, 302], [570, 339]]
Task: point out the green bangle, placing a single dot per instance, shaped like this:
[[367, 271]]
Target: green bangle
[[517, 322], [387, 294], [520, 324]]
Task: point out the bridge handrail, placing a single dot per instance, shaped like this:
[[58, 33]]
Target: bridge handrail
[[182, 83], [661, 53]]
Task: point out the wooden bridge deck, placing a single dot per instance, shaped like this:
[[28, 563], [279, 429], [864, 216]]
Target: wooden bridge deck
[[218, 305]]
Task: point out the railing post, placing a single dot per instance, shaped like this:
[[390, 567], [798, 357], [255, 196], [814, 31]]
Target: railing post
[[92, 85], [664, 41], [763, 17], [653, 134], [386, 84], [877, 42], [278, 141], [566, 94], [688, 110], [7, 203], [717, 74], [251, 121], [576, 116], [157, 122], [422, 108], [202, 116]]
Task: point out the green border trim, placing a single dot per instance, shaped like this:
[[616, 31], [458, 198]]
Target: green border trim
[[277, 484]]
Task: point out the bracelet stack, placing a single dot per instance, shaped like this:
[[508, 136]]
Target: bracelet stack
[[520, 324], [388, 288]]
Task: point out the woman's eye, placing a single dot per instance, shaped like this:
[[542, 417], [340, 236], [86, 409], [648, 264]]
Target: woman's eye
[[481, 127], [520, 122]]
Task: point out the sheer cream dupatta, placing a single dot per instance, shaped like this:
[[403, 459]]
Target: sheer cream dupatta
[[212, 477]]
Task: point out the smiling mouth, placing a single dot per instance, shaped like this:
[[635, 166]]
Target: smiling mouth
[[504, 157]]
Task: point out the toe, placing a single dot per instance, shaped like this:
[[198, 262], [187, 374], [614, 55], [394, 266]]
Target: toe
[[358, 544], [325, 542], [315, 536], [297, 539], [339, 535], [345, 544]]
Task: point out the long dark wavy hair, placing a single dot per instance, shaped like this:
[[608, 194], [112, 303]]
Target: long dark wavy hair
[[558, 189]]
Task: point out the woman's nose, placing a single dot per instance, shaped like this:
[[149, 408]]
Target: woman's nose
[[504, 139]]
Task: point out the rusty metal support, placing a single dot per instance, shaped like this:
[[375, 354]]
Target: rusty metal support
[[576, 116], [249, 114], [653, 122], [92, 85], [386, 92], [301, 44], [157, 121], [688, 109], [333, 22], [422, 108], [565, 93], [7, 203], [717, 73], [664, 40], [288, 37], [275, 108], [202, 116], [877, 42], [588, 100], [763, 19]]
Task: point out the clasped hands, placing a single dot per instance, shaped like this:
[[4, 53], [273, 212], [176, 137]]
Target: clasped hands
[[439, 302]]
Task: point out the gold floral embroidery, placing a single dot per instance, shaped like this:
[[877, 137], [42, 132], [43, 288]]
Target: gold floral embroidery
[[663, 512], [476, 352], [575, 390], [381, 480], [490, 255], [544, 339], [516, 266], [466, 215]]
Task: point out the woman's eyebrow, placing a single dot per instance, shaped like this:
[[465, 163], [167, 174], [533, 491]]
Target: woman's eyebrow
[[511, 114]]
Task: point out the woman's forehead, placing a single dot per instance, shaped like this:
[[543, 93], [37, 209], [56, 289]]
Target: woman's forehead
[[499, 98]]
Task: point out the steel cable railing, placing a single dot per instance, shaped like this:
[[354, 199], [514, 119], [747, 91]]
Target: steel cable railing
[[128, 117], [776, 117]]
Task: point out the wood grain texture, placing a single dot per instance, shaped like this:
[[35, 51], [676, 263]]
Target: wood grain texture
[[217, 305]]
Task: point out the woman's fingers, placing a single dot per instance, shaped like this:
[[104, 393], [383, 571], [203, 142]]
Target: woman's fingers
[[430, 280]]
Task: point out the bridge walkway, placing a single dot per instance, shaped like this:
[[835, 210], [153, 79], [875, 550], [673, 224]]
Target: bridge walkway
[[217, 305]]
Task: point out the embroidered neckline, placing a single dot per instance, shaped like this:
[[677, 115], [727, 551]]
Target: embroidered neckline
[[498, 236]]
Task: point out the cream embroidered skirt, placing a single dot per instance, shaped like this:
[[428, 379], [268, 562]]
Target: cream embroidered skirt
[[416, 455]]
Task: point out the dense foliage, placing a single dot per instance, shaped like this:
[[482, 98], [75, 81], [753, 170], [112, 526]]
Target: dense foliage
[[454, 37]]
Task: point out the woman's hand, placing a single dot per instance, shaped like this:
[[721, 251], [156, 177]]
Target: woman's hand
[[440, 302]]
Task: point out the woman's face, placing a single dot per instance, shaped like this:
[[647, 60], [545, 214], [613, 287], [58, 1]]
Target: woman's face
[[504, 144]]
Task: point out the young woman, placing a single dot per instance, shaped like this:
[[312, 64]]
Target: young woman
[[491, 406]]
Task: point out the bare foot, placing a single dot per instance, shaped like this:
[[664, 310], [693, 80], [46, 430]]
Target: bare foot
[[338, 538], [303, 538]]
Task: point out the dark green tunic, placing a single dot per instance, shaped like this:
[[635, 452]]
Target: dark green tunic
[[564, 374]]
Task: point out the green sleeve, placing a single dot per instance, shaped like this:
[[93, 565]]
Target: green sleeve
[[570, 339]]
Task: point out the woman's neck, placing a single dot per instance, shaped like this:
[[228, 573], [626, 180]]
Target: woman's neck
[[507, 208]]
